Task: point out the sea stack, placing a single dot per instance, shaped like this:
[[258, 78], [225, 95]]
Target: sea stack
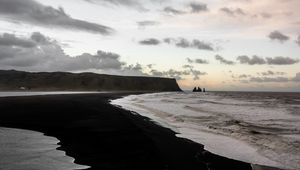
[[198, 89]]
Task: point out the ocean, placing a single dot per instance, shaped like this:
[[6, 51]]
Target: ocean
[[26, 149], [261, 128]]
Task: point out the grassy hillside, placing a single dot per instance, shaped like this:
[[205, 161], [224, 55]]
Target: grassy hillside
[[62, 81]]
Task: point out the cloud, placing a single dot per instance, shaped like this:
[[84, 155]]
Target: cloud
[[298, 40], [269, 79], [201, 45], [251, 61], [244, 76], [198, 7], [224, 61], [169, 40], [40, 38], [197, 61], [281, 61], [197, 74], [47, 55], [170, 73], [265, 78], [297, 78], [179, 74], [233, 12], [150, 41], [146, 23], [11, 40], [184, 43], [266, 15], [136, 4], [276, 35], [173, 11], [32, 12], [256, 60], [188, 66], [272, 73], [181, 43]]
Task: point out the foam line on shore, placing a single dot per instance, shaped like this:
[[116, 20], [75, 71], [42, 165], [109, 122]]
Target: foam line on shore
[[25, 149]]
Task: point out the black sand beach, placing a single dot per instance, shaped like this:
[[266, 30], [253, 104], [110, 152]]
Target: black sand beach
[[103, 136]]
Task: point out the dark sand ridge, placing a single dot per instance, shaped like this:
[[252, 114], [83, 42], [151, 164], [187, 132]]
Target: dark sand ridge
[[103, 136]]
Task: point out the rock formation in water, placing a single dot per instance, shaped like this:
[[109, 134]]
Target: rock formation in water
[[63, 81], [199, 89]]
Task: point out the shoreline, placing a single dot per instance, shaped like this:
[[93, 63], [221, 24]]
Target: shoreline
[[101, 135], [27, 149]]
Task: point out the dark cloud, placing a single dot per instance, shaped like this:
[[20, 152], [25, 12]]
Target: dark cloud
[[181, 43], [168, 40], [136, 4], [296, 78], [271, 73], [223, 60], [201, 61], [233, 12], [268, 79], [276, 35], [281, 61], [156, 73], [150, 41], [11, 40], [244, 76], [173, 11], [179, 74], [197, 61], [33, 12], [198, 7], [251, 61], [274, 79], [188, 66], [146, 23], [189, 60], [170, 73], [48, 55], [184, 43], [266, 15], [150, 66], [256, 60], [298, 40], [201, 45], [133, 70], [39, 38], [197, 74]]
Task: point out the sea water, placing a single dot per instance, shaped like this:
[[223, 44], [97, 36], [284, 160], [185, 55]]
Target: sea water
[[258, 128], [27, 150]]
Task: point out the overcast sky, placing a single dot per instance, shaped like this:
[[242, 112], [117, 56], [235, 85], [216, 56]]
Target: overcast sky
[[217, 44]]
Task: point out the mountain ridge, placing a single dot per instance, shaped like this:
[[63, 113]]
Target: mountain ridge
[[87, 81]]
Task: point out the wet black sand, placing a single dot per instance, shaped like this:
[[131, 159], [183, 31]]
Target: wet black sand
[[103, 136]]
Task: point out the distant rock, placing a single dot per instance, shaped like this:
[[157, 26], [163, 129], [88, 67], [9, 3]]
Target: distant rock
[[198, 89]]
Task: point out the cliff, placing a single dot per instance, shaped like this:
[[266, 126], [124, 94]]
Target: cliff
[[62, 81]]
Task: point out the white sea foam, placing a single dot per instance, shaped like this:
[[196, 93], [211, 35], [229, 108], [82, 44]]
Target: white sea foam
[[258, 128], [27, 150]]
